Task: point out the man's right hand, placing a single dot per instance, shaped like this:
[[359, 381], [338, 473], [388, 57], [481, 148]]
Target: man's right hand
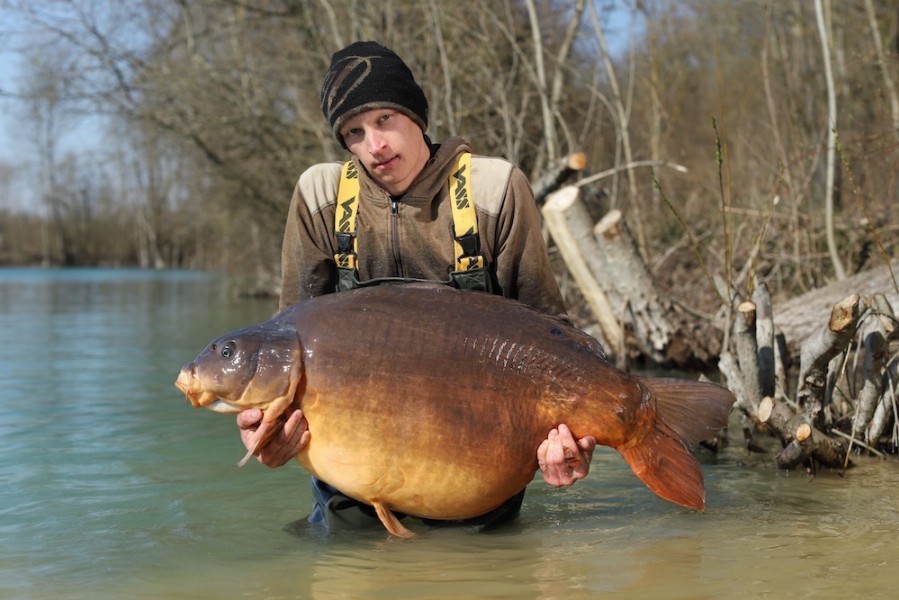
[[284, 445]]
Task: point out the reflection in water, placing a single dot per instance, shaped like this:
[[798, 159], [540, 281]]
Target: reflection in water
[[113, 487]]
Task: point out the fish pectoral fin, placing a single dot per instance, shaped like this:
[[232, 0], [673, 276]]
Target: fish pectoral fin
[[267, 428], [263, 435], [390, 521]]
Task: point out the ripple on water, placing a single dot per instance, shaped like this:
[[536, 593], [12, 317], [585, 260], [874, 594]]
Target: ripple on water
[[113, 487]]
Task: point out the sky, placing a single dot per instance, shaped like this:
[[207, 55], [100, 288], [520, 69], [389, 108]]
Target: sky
[[16, 141]]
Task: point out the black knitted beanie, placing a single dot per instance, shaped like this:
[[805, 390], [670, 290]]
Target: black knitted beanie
[[366, 75]]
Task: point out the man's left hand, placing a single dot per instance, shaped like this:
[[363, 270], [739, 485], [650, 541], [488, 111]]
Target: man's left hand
[[562, 459]]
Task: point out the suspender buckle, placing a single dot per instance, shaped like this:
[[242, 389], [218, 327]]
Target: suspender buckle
[[470, 244], [345, 242]]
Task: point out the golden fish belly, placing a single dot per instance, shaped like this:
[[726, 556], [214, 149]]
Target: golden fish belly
[[442, 419], [421, 462]]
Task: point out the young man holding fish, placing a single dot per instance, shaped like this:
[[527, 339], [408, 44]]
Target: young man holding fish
[[404, 230]]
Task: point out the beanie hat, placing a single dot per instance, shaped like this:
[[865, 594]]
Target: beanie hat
[[364, 76]]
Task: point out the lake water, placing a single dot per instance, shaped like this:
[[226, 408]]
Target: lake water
[[111, 486]]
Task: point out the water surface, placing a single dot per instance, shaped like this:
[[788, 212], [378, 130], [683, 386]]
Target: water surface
[[111, 486]]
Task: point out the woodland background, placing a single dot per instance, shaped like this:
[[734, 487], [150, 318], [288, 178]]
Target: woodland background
[[784, 115]]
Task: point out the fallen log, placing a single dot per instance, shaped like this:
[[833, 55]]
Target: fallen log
[[635, 319], [807, 444], [780, 419], [799, 317], [631, 290], [800, 440], [570, 227]]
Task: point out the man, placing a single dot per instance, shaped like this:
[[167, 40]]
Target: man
[[404, 231]]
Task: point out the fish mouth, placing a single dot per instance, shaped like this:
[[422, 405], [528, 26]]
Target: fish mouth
[[183, 381], [189, 384]]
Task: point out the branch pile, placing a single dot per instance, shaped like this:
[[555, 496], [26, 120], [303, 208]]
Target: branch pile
[[845, 394]]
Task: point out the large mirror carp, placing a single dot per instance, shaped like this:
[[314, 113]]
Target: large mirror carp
[[431, 401]]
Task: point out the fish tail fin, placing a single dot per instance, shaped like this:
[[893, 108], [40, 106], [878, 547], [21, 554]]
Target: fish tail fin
[[666, 466], [687, 412]]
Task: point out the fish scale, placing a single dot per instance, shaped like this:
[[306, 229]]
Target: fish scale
[[432, 401]]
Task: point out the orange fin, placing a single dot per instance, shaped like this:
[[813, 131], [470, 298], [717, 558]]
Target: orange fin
[[666, 466], [694, 410], [687, 412], [390, 521]]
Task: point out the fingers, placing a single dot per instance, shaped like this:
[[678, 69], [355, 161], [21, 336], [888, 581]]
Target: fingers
[[542, 449], [551, 456], [296, 432], [562, 459], [293, 437], [248, 422], [569, 446], [587, 446], [249, 419]]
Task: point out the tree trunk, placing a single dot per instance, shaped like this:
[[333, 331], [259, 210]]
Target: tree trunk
[[570, 227], [636, 320]]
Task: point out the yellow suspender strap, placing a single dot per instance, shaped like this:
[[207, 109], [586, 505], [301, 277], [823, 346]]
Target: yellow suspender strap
[[465, 223], [345, 217], [466, 243]]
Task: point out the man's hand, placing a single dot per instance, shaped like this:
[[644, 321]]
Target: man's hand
[[563, 460], [285, 443]]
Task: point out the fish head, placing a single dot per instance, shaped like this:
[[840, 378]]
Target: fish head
[[256, 367]]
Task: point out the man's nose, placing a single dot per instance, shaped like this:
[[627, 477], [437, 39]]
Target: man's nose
[[375, 142]]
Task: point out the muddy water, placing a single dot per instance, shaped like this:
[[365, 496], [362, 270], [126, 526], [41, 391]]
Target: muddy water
[[112, 487]]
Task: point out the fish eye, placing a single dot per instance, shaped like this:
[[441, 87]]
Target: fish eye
[[227, 350]]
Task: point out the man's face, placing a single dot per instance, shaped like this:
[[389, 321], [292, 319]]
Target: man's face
[[390, 145]]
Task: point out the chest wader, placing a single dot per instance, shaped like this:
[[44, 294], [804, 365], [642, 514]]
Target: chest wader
[[330, 508], [470, 272]]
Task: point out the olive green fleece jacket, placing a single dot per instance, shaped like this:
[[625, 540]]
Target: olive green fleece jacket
[[412, 236]]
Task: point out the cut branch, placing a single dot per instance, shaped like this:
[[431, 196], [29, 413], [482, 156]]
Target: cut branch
[[818, 350]]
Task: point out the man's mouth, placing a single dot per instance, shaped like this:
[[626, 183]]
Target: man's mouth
[[386, 164]]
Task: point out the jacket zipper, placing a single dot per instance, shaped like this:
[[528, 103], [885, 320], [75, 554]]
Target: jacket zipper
[[395, 235]]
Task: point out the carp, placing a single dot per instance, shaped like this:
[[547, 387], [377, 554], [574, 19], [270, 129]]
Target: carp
[[431, 401]]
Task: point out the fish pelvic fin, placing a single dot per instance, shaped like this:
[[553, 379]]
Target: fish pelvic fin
[[664, 463], [390, 521], [687, 412]]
